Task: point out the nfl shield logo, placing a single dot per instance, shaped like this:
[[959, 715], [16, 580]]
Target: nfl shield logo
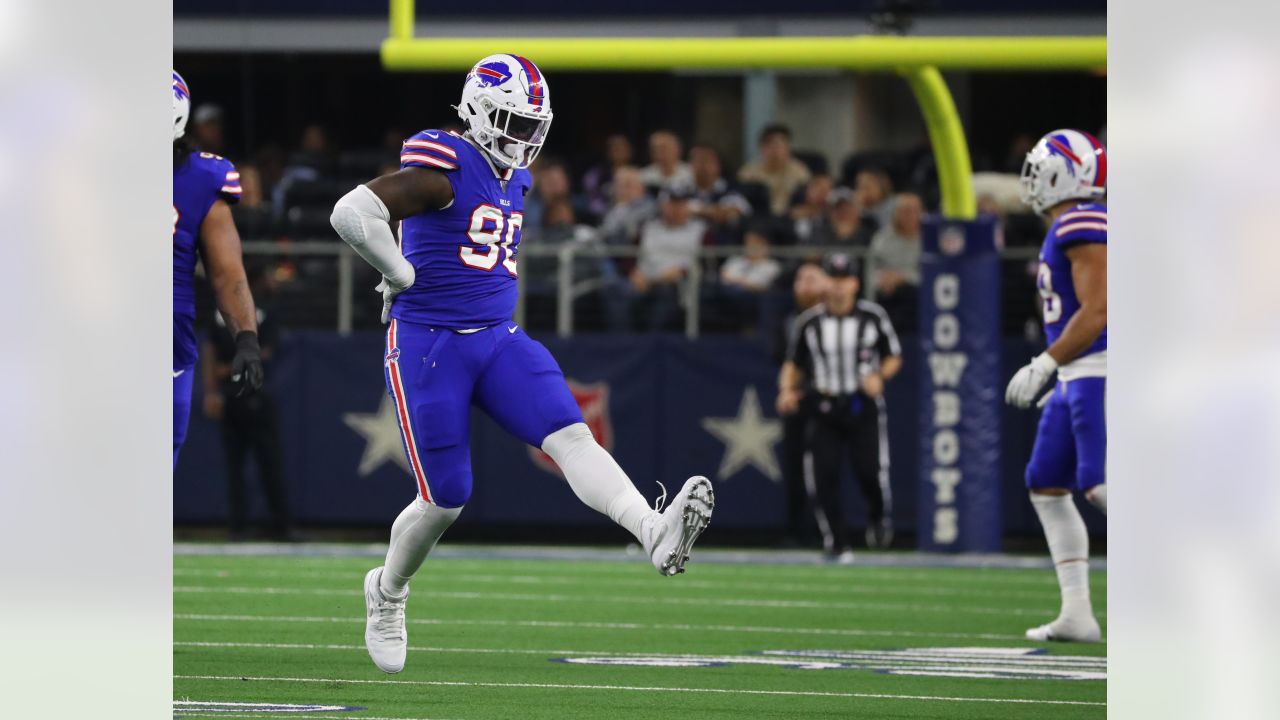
[[593, 400], [951, 241]]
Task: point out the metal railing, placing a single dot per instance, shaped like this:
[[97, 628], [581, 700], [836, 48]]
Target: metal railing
[[569, 288]]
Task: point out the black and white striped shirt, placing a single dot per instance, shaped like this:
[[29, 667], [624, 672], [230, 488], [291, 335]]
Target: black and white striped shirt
[[835, 352]]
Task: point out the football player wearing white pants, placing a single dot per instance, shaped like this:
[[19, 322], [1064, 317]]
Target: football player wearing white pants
[[1064, 179], [449, 291]]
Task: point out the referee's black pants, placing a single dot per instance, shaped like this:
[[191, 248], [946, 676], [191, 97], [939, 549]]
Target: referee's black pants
[[849, 426], [795, 445]]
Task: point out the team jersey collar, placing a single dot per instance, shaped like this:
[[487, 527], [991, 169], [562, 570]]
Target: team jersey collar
[[500, 174]]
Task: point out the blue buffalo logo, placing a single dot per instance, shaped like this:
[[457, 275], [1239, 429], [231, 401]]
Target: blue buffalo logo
[[491, 74]]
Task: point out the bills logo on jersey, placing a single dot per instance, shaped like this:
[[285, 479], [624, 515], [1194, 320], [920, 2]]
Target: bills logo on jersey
[[491, 74], [593, 400]]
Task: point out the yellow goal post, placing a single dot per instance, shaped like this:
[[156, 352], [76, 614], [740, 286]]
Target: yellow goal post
[[918, 59]]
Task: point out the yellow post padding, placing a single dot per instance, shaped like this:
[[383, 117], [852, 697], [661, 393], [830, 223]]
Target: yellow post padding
[[867, 52], [946, 134]]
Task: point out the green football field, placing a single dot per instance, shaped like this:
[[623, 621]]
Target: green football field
[[494, 635]]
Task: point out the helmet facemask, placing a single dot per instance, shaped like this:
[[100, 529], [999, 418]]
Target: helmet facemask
[[512, 137]]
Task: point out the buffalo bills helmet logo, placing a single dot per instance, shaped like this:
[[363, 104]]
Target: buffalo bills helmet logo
[[491, 74], [180, 87], [1059, 145]]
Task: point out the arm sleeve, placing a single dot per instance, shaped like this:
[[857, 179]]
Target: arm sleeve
[[229, 177], [364, 222], [797, 348], [888, 342]]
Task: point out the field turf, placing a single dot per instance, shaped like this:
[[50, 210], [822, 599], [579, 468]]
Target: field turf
[[494, 636]]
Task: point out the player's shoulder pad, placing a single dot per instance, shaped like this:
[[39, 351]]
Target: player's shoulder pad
[[435, 149], [223, 176], [1086, 222]]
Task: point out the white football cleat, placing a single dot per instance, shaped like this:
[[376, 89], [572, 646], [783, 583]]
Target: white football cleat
[[670, 535], [384, 632], [1075, 629]]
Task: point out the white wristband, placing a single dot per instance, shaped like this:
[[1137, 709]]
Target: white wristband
[[1044, 361]]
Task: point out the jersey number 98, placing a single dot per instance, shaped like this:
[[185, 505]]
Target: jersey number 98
[[497, 236], [1052, 302]]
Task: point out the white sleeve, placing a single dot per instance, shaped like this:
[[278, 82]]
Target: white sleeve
[[364, 223]]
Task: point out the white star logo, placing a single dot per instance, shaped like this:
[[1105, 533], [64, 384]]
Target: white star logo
[[381, 433], [748, 438]]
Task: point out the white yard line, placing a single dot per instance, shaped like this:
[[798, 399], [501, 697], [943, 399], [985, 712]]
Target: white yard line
[[636, 688], [749, 629], [631, 600], [798, 558], [986, 575], [844, 587], [880, 658]]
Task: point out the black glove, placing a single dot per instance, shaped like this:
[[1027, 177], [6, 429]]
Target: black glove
[[246, 367]]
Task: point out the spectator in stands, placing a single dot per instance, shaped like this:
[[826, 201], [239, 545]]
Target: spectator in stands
[[669, 246], [550, 184], [714, 201], [754, 271], [208, 131], [873, 189], [597, 183], [312, 161], [895, 261], [776, 168], [666, 167], [842, 225], [631, 208], [813, 206]]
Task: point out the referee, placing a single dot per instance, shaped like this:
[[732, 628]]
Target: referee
[[843, 352]]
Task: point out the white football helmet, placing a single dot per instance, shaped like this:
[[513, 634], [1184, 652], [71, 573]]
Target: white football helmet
[[506, 105], [181, 105], [1064, 165]]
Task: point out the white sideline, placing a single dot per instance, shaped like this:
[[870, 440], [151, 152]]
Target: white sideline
[[636, 688], [629, 599], [278, 716], [761, 629]]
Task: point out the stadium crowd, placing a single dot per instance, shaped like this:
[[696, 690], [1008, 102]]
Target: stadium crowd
[[638, 227]]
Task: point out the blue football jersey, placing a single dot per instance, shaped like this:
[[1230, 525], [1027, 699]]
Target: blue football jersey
[[1084, 223], [464, 255], [197, 184]]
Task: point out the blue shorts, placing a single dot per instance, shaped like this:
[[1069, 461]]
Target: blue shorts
[[1071, 442], [182, 380], [434, 375]]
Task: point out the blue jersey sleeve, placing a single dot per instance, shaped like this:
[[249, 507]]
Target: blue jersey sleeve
[[224, 179], [434, 149], [1082, 224]]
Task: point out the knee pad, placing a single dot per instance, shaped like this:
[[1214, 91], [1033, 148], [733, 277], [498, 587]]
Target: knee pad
[[562, 444]]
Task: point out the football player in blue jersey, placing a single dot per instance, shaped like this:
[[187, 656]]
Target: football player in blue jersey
[[204, 186], [1064, 179], [449, 291]]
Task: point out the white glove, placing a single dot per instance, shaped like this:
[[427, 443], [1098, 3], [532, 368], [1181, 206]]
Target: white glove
[[1028, 381], [390, 290]]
